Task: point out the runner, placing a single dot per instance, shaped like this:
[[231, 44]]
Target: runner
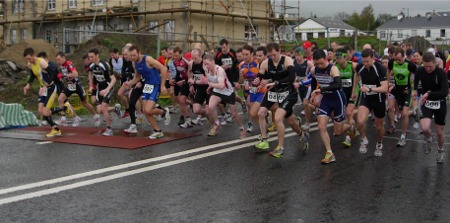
[[221, 92], [47, 91], [401, 71], [195, 73], [69, 74], [102, 76], [154, 75], [372, 76], [302, 69], [333, 101], [181, 86], [172, 73], [280, 69], [433, 104], [248, 70]]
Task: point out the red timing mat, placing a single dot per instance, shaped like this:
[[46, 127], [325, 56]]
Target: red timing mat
[[94, 137]]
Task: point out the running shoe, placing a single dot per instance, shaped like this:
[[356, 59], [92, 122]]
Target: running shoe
[[186, 124], [262, 145], [329, 158], [348, 141], [97, 120], [131, 130], [222, 120], [249, 127], [54, 133], [76, 121], [108, 132], [68, 109], [272, 128], [305, 141], [214, 130], [126, 114], [391, 130], [440, 156], [378, 149], [63, 121], [363, 146], [181, 120], [117, 110], [401, 142], [198, 121], [277, 152], [156, 135], [228, 117]]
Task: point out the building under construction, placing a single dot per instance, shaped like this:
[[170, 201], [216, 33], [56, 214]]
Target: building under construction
[[67, 23]]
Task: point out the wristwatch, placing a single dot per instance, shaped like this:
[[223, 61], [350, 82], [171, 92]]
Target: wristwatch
[[370, 89]]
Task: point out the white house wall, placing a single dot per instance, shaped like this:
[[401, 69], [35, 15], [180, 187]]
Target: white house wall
[[435, 33]]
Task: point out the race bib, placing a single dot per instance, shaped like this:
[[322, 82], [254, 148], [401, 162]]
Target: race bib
[[282, 96], [100, 78], [371, 86], [272, 96], [197, 77], [44, 94], [227, 61], [253, 90], [148, 88], [346, 83], [434, 105], [72, 87]]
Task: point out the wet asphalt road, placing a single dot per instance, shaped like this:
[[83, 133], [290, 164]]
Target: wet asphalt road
[[199, 180]]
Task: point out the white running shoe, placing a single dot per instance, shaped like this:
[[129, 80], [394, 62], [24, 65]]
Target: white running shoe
[[156, 135], [108, 132], [167, 117], [378, 149], [363, 146], [76, 121], [97, 120], [63, 121], [131, 130]]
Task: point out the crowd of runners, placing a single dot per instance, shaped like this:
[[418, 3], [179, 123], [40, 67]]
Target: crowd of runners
[[351, 89]]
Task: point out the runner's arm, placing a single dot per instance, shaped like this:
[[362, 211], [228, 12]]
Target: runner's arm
[[162, 69], [443, 92], [337, 82]]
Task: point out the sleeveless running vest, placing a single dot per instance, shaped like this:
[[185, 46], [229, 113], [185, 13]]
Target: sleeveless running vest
[[401, 73], [347, 75], [151, 75]]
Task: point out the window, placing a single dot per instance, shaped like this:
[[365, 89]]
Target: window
[[321, 35], [342, 32], [427, 33], [51, 4], [250, 32], [13, 36], [153, 24], [309, 36], [442, 32], [72, 4], [414, 32], [169, 29], [24, 34], [48, 35], [98, 2], [400, 34], [18, 6], [382, 34], [2, 10]]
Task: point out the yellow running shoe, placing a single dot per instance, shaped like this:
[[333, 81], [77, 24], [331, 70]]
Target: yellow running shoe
[[329, 158], [69, 110], [54, 133], [272, 127]]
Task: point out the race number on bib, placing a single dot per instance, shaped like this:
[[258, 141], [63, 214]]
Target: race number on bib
[[435, 105], [100, 78], [346, 82], [72, 87], [277, 97], [148, 88], [197, 77], [253, 90]]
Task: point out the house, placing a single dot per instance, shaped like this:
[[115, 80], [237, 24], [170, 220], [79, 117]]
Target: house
[[68, 23], [322, 28], [431, 27]]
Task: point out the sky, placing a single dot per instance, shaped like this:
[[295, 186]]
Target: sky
[[330, 8]]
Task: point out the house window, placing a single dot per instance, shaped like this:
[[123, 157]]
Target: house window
[[342, 32], [382, 34], [309, 36], [321, 35], [2, 10], [153, 24], [250, 32], [72, 4], [18, 6], [24, 34], [427, 33], [169, 29], [442, 32], [48, 35], [400, 34], [414, 32], [13, 36], [51, 4], [98, 2]]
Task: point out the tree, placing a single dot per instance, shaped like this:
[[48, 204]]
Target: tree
[[342, 16], [364, 21], [382, 18], [354, 20]]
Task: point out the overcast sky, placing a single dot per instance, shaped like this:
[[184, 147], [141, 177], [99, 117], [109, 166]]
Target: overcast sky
[[330, 7]]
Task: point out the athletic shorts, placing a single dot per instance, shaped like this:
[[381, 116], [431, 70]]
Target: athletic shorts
[[182, 90], [374, 105], [201, 96], [48, 97], [151, 92], [287, 104], [256, 97], [168, 84], [439, 113], [226, 99], [333, 103], [76, 88], [103, 99], [403, 98]]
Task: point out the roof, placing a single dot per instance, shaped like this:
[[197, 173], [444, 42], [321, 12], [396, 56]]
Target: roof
[[444, 13], [330, 23], [417, 22]]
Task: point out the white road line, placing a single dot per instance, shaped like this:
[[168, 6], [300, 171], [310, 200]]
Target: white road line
[[128, 165], [414, 140], [44, 142], [131, 172]]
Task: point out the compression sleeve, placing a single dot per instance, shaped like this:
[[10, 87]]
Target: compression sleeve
[[439, 95], [336, 85], [290, 77]]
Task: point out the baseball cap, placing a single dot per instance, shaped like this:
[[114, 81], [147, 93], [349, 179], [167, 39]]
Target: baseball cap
[[299, 51], [307, 45]]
